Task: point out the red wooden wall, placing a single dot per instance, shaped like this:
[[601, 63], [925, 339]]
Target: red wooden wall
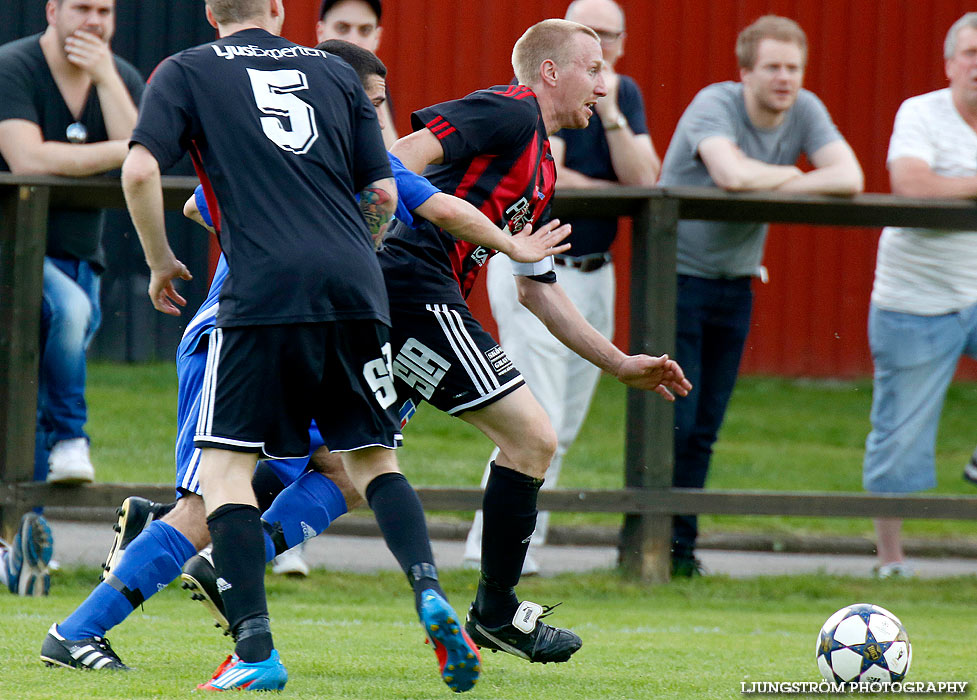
[[866, 57]]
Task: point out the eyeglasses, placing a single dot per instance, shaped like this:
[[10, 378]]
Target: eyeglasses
[[607, 37]]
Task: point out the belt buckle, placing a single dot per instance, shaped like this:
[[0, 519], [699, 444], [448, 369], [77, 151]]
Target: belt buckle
[[590, 263], [594, 263]]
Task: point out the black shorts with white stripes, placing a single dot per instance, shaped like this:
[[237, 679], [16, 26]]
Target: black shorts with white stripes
[[442, 355], [263, 385]]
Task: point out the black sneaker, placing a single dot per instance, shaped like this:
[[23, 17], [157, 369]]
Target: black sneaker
[[93, 653], [525, 637], [970, 471], [135, 514], [200, 578], [687, 567]]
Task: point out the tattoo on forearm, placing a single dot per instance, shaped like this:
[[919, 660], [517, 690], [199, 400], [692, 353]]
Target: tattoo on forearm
[[372, 204]]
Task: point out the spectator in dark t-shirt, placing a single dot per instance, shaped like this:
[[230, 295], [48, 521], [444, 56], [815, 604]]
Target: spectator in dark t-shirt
[[67, 107]]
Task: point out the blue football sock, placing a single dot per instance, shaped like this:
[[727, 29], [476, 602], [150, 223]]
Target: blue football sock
[[301, 511], [151, 561]]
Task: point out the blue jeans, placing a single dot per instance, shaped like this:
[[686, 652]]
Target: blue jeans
[[70, 315], [915, 358], [712, 322]]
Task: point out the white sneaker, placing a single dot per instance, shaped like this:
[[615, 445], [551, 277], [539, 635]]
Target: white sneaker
[[896, 569], [291, 563], [970, 470], [69, 462]]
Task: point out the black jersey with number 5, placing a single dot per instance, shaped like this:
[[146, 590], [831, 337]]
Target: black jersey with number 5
[[284, 136], [497, 157]]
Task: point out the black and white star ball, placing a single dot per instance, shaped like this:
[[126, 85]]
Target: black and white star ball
[[863, 642]]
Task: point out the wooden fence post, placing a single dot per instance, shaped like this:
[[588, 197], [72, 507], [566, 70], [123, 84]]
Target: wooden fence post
[[23, 221], [646, 539]]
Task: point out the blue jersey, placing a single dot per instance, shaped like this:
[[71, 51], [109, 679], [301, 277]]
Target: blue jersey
[[412, 191], [269, 122]]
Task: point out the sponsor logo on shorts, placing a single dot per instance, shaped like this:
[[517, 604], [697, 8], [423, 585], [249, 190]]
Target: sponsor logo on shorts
[[407, 412], [420, 368], [500, 361]]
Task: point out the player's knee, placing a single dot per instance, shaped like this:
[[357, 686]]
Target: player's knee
[[330, 465], [189, 517], [532, 451]]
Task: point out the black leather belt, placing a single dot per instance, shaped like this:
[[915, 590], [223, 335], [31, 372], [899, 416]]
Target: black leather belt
[[588, 263]]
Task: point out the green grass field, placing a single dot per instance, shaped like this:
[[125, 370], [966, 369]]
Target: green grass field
[[779, 435], [356, 636], [346, 635]]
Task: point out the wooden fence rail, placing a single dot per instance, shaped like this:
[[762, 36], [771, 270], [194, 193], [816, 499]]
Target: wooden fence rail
[[647, 501]]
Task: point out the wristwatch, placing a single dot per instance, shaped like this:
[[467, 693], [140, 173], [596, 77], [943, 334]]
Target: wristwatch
[[619, 123]]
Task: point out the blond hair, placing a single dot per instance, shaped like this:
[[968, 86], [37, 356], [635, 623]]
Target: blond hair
[[232, 11], [549, 40], [768, 27]]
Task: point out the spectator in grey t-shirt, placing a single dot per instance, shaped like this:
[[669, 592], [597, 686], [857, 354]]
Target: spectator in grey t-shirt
[[738, 136]]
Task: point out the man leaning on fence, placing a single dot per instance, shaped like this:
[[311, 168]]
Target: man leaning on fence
[[739, 136], [67, 107], [923, 314]]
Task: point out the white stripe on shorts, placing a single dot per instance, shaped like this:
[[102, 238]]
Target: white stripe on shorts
[[191, 478], [203, 316], [205, 420], [465, 348]]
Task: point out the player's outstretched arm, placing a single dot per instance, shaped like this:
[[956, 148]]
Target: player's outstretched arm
[[144, 197], [659, 374], [462, 220], [553, 307]]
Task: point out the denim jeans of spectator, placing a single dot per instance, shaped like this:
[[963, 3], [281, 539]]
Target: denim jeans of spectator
[[915, 358], [70, 315], [712, 322]]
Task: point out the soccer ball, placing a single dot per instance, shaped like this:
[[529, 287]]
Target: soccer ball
[[863, 642]]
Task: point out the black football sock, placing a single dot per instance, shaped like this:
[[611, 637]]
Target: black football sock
[[509, 512], [401, 519], [239, 557], [266, 485]]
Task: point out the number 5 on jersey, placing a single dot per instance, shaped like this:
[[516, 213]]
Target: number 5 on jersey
[[274, 93]]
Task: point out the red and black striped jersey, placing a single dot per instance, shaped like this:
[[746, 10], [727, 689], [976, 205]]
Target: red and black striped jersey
[[497, 157]]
